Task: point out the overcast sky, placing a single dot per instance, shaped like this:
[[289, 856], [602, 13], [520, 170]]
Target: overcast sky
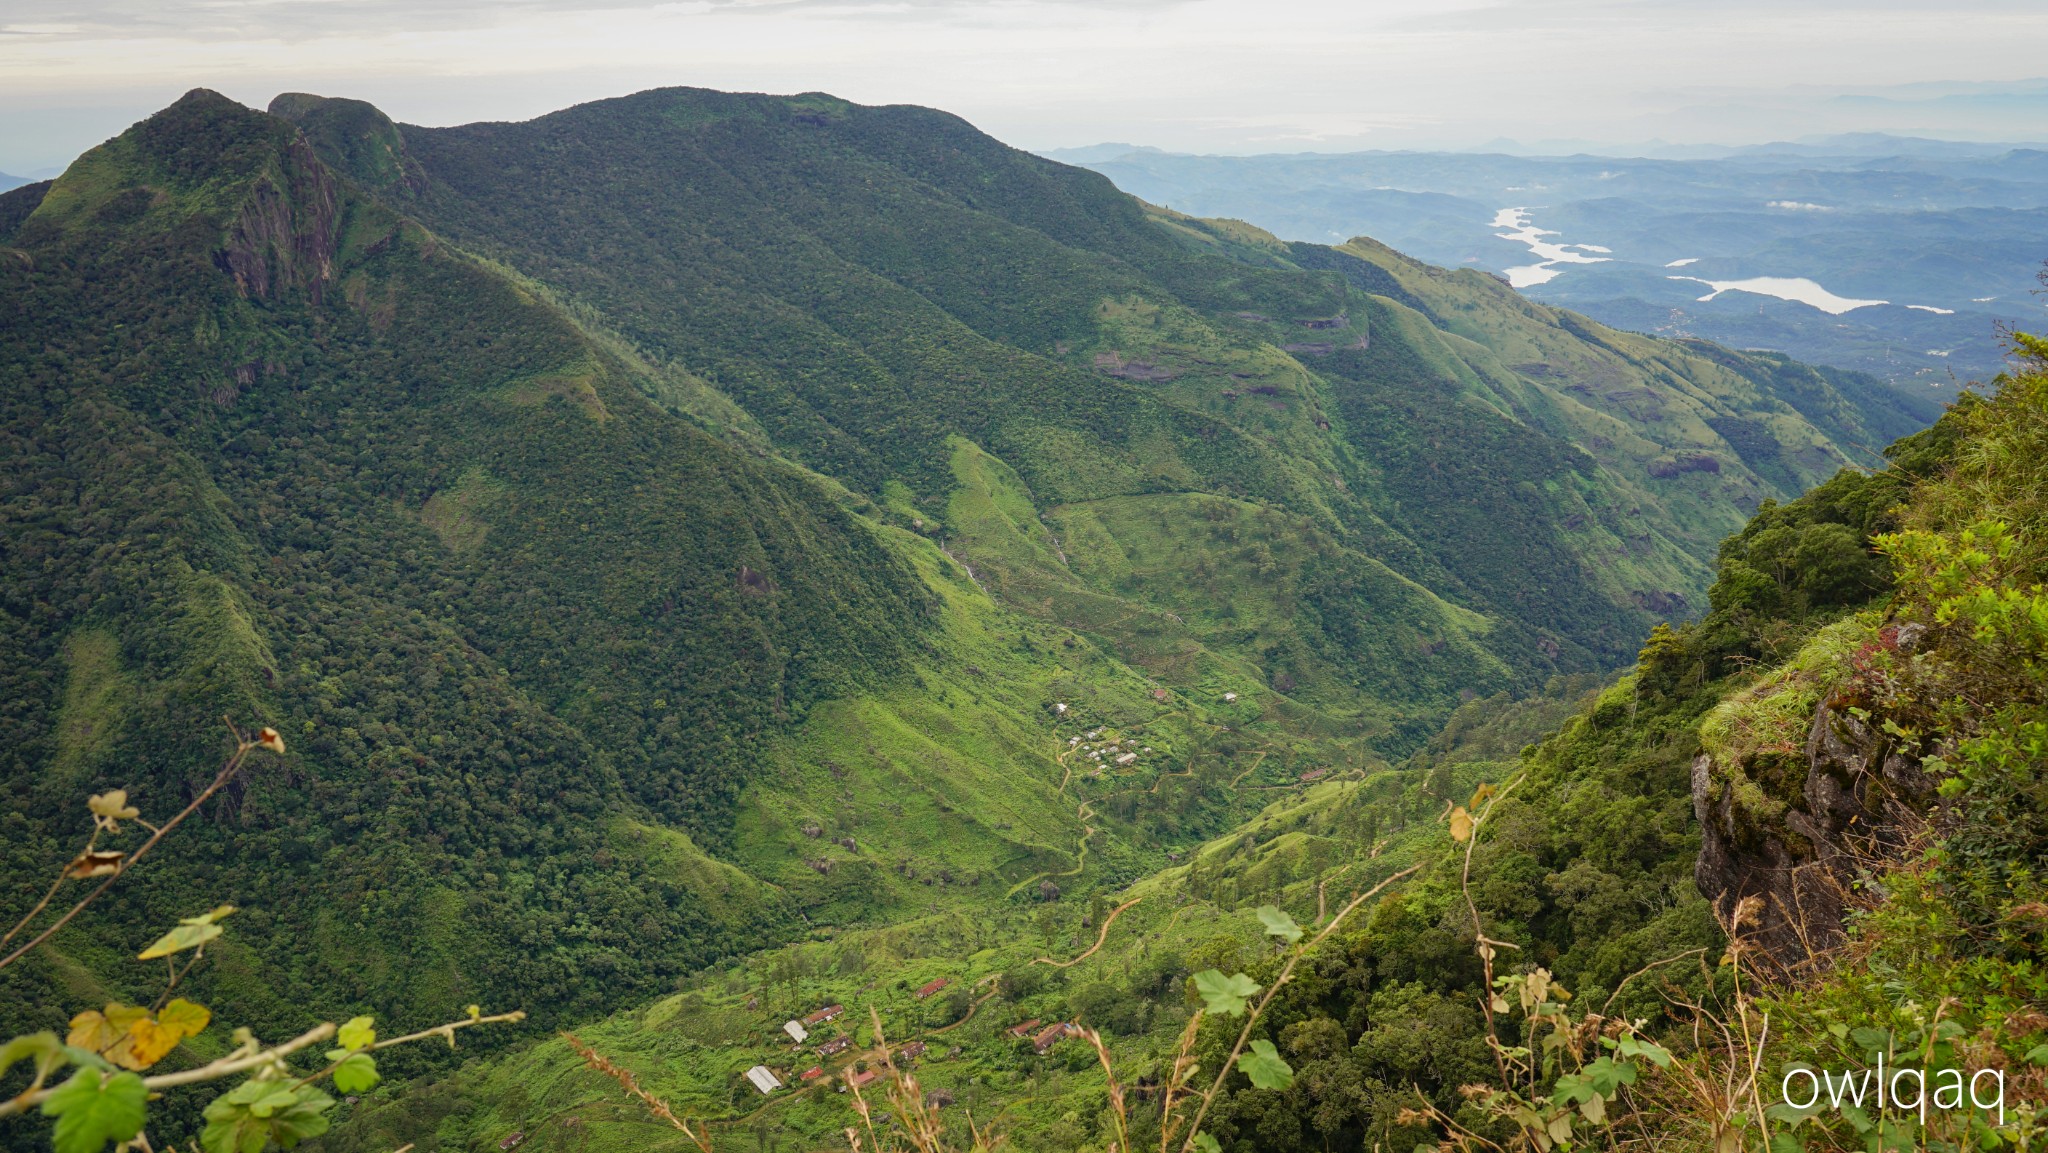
[[1191, 75]]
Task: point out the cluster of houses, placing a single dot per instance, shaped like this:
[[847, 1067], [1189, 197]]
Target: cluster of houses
[[1043, 1037], [800, 1031], [1106, 752], [1046, 1036]]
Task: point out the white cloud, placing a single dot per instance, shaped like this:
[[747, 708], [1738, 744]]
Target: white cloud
[[1212, 75]]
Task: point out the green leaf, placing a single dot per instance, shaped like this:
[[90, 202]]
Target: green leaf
[[1858, 1118], [1207, 1144], [1607, 1075], [1221, 994], [356, 1072], [1279, 924], [1265, 1067], [43, 1048], [191, 933], [256, 1113], [1594, 1086], [2038, 1055], [1634, 1047], [359, 1033], [91, 1110]]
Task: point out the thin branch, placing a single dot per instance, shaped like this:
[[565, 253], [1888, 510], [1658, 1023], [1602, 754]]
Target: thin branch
[[177, 975], [1486, 944], [220, 780], [448, 1030], [62, 876], [212, 1071], [1322, 891], [1609, 1004], [241, 1062]]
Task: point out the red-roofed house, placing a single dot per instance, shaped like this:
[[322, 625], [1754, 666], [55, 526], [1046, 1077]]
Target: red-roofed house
[[1023, 1027], [812, 1073], [1049, 1036], [835, 1045], [823, 1015], [933, 987], [861, 1080]]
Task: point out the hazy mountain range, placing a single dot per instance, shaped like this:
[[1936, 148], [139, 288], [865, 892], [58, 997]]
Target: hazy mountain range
[[1947, 236]]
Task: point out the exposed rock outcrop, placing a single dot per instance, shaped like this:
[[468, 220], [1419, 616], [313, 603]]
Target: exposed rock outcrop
[[288, 230], [1861, 798]]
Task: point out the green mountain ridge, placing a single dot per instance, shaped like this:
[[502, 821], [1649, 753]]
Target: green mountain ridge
[[693, 523]]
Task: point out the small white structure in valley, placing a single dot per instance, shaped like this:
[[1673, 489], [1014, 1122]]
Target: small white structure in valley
[[1229, 696], [796, 1031], [763, 1079], [1060, 707]]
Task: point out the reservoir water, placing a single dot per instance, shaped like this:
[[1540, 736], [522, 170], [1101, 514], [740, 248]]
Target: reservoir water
[[1548, 253]]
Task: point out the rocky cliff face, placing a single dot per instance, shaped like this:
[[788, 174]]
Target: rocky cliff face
[[1794, 829], [288, 230]]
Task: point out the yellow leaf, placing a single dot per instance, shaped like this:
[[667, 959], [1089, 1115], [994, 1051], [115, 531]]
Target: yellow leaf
[[1461, 824], [93, 865], [270, 739], [91, 1031], [187, 1017], [111, 1034], [1481, 795], [110, 807], [148, 1043]]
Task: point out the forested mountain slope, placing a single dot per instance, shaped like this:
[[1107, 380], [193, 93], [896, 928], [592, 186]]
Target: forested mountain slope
[[867, 282], [675, 526], [1858, 718], [277, 452]]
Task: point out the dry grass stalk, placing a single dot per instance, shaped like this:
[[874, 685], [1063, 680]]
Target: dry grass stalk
[[631, 1084], [1116, 1091], [917, 1116]]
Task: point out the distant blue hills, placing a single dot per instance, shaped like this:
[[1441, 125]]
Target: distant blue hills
[[1920, 249]]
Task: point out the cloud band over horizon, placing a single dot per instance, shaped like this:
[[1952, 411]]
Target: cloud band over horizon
[[1190, 75]]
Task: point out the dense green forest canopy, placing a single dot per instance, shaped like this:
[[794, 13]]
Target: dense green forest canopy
[[693, 524]]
